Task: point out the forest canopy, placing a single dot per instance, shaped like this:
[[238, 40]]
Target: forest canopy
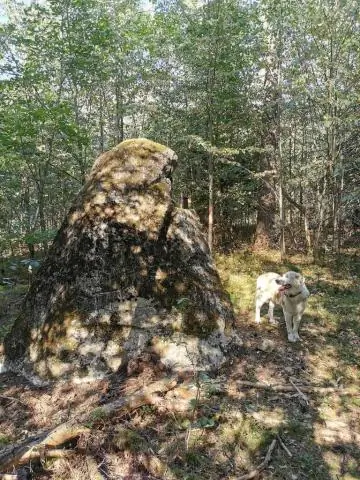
[[259, 102], [260, 99]]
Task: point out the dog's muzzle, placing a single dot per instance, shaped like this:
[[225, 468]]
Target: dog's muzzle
[[283, 285]]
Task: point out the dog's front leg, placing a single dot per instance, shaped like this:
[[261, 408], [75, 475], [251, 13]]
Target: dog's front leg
[[258, 304], [289, 327], [296, 320], [271, 312], [257, 312]]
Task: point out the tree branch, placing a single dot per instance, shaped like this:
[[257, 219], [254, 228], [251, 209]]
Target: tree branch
[[254, 473], [291, 388], [38, 446]]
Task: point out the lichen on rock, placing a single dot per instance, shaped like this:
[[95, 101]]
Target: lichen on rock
[[127, 272]]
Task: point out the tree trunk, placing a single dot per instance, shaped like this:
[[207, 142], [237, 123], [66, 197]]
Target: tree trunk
[[101, 121], [281, 185], [278, 144], [119, 117], [211, 84], [211, 202], [265, 219], [318, 244]]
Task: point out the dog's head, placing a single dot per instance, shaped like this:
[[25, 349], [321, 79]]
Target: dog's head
[[290, 282]]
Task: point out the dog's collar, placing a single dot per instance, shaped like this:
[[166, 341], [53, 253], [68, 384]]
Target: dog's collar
[[294, 295]]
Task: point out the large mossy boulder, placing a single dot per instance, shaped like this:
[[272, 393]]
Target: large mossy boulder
[[127, 272]]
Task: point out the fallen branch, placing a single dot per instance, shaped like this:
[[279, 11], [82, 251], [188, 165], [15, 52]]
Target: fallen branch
[[283, 446], [291, 388], [44, 444], [302, 395], [37, 447], [35, 454], [254, 473], [11, 399]]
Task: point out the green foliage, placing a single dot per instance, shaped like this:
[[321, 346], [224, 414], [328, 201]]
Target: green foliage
[[124, 438], [182, 304], [231, 84], [97, 415], [5, 440], [205, 422], [39, 237]]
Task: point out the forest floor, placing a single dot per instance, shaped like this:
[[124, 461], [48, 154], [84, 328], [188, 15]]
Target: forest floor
[[228, 429]]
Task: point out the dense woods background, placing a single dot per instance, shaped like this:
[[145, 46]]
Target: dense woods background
[[260, 99]]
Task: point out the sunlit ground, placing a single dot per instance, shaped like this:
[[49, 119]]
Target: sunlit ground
[[228, 429], [326, 432]]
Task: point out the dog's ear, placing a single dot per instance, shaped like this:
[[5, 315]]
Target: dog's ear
[[300, 278]]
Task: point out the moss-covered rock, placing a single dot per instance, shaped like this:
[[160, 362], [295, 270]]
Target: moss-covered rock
[[125, 267]]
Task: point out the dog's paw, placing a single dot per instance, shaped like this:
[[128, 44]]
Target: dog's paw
[[258, 320], [273, 321], [293, 338]]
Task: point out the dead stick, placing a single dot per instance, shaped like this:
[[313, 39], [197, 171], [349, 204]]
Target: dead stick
[[14, 455], [35, 446], [290, 388], [12, 399], [302, 395], [262, 466], [34, 454], [59, 452], [283, 446]]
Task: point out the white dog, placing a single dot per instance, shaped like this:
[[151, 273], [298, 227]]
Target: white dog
[[289, 291]]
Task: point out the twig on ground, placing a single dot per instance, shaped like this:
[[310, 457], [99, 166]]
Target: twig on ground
[[283, 446], [38, 446], [12, 400], [302, 395], [291, 388], [254, 473]]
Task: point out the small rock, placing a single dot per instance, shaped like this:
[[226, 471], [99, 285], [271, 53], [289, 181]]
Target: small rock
[[267, 345]]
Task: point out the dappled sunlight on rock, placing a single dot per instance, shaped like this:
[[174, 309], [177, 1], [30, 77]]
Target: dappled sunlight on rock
[[125, 267]]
